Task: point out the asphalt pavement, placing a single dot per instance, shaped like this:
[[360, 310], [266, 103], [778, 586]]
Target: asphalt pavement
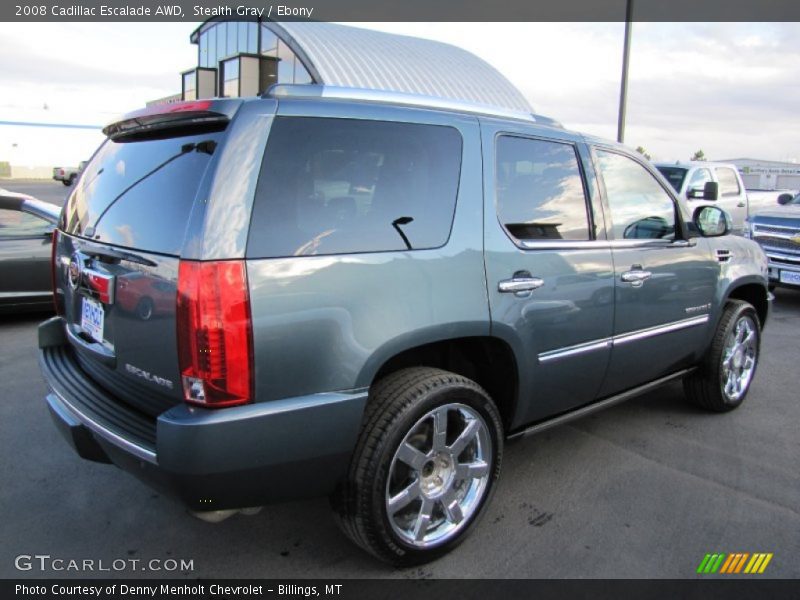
[[644, 489]]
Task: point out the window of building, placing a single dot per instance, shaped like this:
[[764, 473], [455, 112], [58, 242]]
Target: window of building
[[269, 42], [211, 58], [728, 182], [202, 48], [231, 43], [285, 64], [333, 186], [640, 207], [190, 85], [539, 190], [230, 78], [222, 40]]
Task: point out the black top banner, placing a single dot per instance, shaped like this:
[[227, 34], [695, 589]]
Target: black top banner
[[406, 10]]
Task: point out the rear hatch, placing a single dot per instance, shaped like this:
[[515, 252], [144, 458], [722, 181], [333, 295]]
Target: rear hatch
[[119, 242]]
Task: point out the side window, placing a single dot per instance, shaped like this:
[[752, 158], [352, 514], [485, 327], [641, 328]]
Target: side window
[[539, 190], [16, 224], [699, 179], [640, 208], [728, 182], [335, 186]]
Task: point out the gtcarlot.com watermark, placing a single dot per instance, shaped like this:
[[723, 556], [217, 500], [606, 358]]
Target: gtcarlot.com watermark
[[48, 563]]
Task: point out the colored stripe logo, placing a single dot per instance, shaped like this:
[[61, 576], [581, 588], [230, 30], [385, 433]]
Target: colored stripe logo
[[736, 563]]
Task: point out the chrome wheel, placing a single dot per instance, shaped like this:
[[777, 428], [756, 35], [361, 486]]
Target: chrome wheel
[[439, 475], [739, 358]]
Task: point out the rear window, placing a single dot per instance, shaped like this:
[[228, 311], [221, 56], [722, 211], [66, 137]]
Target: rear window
[[334, 186], [139, 194]]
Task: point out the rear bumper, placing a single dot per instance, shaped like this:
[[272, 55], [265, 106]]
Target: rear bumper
[[210, 459]]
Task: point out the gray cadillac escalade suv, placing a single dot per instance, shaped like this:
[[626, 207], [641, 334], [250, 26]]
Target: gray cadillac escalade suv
[[362, 294]]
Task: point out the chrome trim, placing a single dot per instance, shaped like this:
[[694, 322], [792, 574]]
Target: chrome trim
[[519, 284], [599, 405], [782, 256], [660, 329], [574, 350], [602, 244], [636, 278], [766, 226], [106, 434], [285, 90], [610, 342]]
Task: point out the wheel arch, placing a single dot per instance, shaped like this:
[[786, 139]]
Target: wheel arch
[[754, 292], [485, 359]]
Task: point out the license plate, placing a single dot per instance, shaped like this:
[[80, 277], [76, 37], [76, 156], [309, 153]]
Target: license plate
[[92, 317], [790, 277]]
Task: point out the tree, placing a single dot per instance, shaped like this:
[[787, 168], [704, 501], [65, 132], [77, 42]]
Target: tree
[[699, 155], [643, 152]]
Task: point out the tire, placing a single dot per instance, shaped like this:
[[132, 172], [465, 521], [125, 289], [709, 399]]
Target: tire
[[144, 310], [723, 380], [411, 496], [68, 182]]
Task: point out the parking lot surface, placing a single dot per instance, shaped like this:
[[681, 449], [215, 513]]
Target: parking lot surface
[[644, 489]]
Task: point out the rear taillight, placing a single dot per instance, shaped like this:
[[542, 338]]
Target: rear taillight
[[53, 271], [215, 335]]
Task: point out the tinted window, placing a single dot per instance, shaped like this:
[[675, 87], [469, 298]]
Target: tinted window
[[728, 182], [674, 175], [139, 194], [640, 207], [14, 223], [540, 193], [331, 186]]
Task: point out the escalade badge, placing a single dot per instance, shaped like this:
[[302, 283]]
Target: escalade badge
[[74, 271]]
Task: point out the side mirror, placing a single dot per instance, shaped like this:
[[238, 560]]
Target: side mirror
[[784, 199], [711, 221], [711, 190], [695, 194]]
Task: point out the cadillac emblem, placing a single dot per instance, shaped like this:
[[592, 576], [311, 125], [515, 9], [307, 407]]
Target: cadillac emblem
[[74, 270]]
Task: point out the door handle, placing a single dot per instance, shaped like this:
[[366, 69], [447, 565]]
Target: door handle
[[521, 285], [637, 277], [741, 205]]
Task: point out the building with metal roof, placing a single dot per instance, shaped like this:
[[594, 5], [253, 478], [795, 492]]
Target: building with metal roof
[[244, 58]]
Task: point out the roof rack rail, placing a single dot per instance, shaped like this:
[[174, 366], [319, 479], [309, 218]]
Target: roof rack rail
[[288, 90]]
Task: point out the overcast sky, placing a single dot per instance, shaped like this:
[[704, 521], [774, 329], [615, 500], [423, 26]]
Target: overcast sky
[[731, 89]]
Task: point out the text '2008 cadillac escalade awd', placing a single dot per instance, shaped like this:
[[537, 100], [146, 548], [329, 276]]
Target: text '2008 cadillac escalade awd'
[[364, 295]]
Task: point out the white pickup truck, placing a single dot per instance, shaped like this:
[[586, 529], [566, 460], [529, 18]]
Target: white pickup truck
[[68, 175], [691, 178]]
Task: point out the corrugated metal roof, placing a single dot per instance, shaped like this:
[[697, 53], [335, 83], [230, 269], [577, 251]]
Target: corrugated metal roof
[[361, 58]]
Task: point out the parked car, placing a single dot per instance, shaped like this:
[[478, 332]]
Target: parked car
[[368, 294], [26, 278], [690, 181], [68, 175], [778, 231]]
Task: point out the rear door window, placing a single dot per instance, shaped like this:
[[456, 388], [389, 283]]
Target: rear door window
[[333, 186], [139, 194], [728, 182], [539, 190]]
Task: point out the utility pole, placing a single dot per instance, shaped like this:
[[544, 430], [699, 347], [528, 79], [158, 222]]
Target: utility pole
[[623, 91]]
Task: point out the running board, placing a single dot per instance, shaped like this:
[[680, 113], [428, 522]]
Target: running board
[[597, 406]]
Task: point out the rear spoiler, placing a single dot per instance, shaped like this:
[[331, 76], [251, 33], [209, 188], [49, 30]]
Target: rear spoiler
[[162, 117]]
